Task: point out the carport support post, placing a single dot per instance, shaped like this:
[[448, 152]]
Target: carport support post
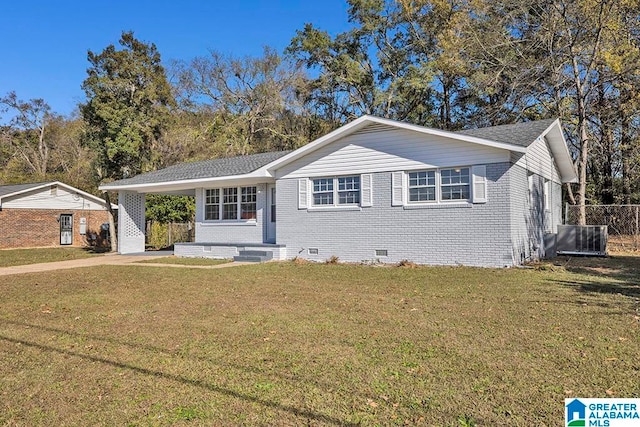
[[131, 222]]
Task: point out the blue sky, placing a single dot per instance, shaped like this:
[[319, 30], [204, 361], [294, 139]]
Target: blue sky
[[44, 49]]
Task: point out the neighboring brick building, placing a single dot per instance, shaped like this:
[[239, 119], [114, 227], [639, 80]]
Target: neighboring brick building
[[49, 214]]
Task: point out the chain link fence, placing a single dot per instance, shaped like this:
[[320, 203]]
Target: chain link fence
[[622, 221]]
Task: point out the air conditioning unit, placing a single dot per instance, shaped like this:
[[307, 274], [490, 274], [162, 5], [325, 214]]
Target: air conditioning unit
[[582, 240]]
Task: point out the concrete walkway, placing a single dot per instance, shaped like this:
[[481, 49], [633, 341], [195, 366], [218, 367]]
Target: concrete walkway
[[103, 260]]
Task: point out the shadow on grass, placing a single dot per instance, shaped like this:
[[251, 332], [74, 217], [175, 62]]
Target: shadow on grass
[[157, 350], [96, 249], [188, 381], [624, 270]]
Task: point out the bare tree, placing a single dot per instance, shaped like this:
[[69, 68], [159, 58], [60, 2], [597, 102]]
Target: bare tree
[[27, 135]]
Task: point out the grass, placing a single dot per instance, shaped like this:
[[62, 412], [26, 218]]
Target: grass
[[12, 257], [185, 261], [292, 344]]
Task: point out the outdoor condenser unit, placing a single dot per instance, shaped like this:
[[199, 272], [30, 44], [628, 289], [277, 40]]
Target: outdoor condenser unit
[[582, 240]]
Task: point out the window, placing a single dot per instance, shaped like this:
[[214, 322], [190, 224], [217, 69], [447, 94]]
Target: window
[[422, 186], [454, 184], [212, 204], [349, 190], [438, 185], [323, 191], [224, 203], [336, 191], [273, 204], [248, 206], [229, 203]]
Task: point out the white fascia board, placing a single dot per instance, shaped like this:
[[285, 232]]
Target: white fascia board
[[361, 122], [560, 151], [188, 184]]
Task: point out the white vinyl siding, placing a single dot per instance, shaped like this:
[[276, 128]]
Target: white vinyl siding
[[387, 148], [539, 160], [43, 199]]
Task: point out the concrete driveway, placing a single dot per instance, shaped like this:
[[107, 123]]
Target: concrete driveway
[[103, 260]]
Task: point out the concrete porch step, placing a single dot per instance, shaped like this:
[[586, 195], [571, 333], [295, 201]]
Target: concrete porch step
[[253, 256]]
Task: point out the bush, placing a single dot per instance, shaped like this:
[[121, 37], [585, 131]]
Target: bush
[[333, 260]]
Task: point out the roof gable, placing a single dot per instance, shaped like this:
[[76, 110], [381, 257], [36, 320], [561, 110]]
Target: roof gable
[[514, 138], [18, 189]]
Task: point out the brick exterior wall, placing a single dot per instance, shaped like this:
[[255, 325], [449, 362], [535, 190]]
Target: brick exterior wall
[[473, 234], [23, 228], [232, 231]]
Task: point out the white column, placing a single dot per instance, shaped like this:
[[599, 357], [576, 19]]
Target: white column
[[131, 224]]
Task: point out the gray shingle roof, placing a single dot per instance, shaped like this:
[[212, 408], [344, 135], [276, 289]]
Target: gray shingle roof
[[14, 188], [227, 166], [522, 134]]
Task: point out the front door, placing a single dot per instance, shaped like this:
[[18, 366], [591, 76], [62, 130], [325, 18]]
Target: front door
[[271, 213], [66, 229]]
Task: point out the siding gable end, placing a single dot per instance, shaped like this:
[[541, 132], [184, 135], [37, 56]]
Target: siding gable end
[[539, 160], [383, 149], [43, 198]]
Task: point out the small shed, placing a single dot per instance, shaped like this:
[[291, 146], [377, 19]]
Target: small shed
[[49, 214]]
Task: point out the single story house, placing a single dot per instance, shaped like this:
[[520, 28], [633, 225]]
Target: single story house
[[51, 213], [374, 190]]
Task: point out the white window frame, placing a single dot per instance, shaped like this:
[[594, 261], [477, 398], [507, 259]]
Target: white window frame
[[438, 187], [335, 192], [205, 203], [468, 184], [238, 203], [434, 186]]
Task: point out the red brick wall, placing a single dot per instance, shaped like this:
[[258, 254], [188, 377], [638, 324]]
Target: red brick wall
[[23, 228]]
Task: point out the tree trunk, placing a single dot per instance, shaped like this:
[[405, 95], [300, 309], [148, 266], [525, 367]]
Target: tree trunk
[[584, 158], [625, 147], [113, 233]]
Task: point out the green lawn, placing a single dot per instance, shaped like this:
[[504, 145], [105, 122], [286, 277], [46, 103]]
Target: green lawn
[[307, 344], [185, 261], [11, 257]]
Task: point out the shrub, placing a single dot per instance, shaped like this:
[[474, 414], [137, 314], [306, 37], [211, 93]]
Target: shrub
[[407, 264], [333, 260]]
